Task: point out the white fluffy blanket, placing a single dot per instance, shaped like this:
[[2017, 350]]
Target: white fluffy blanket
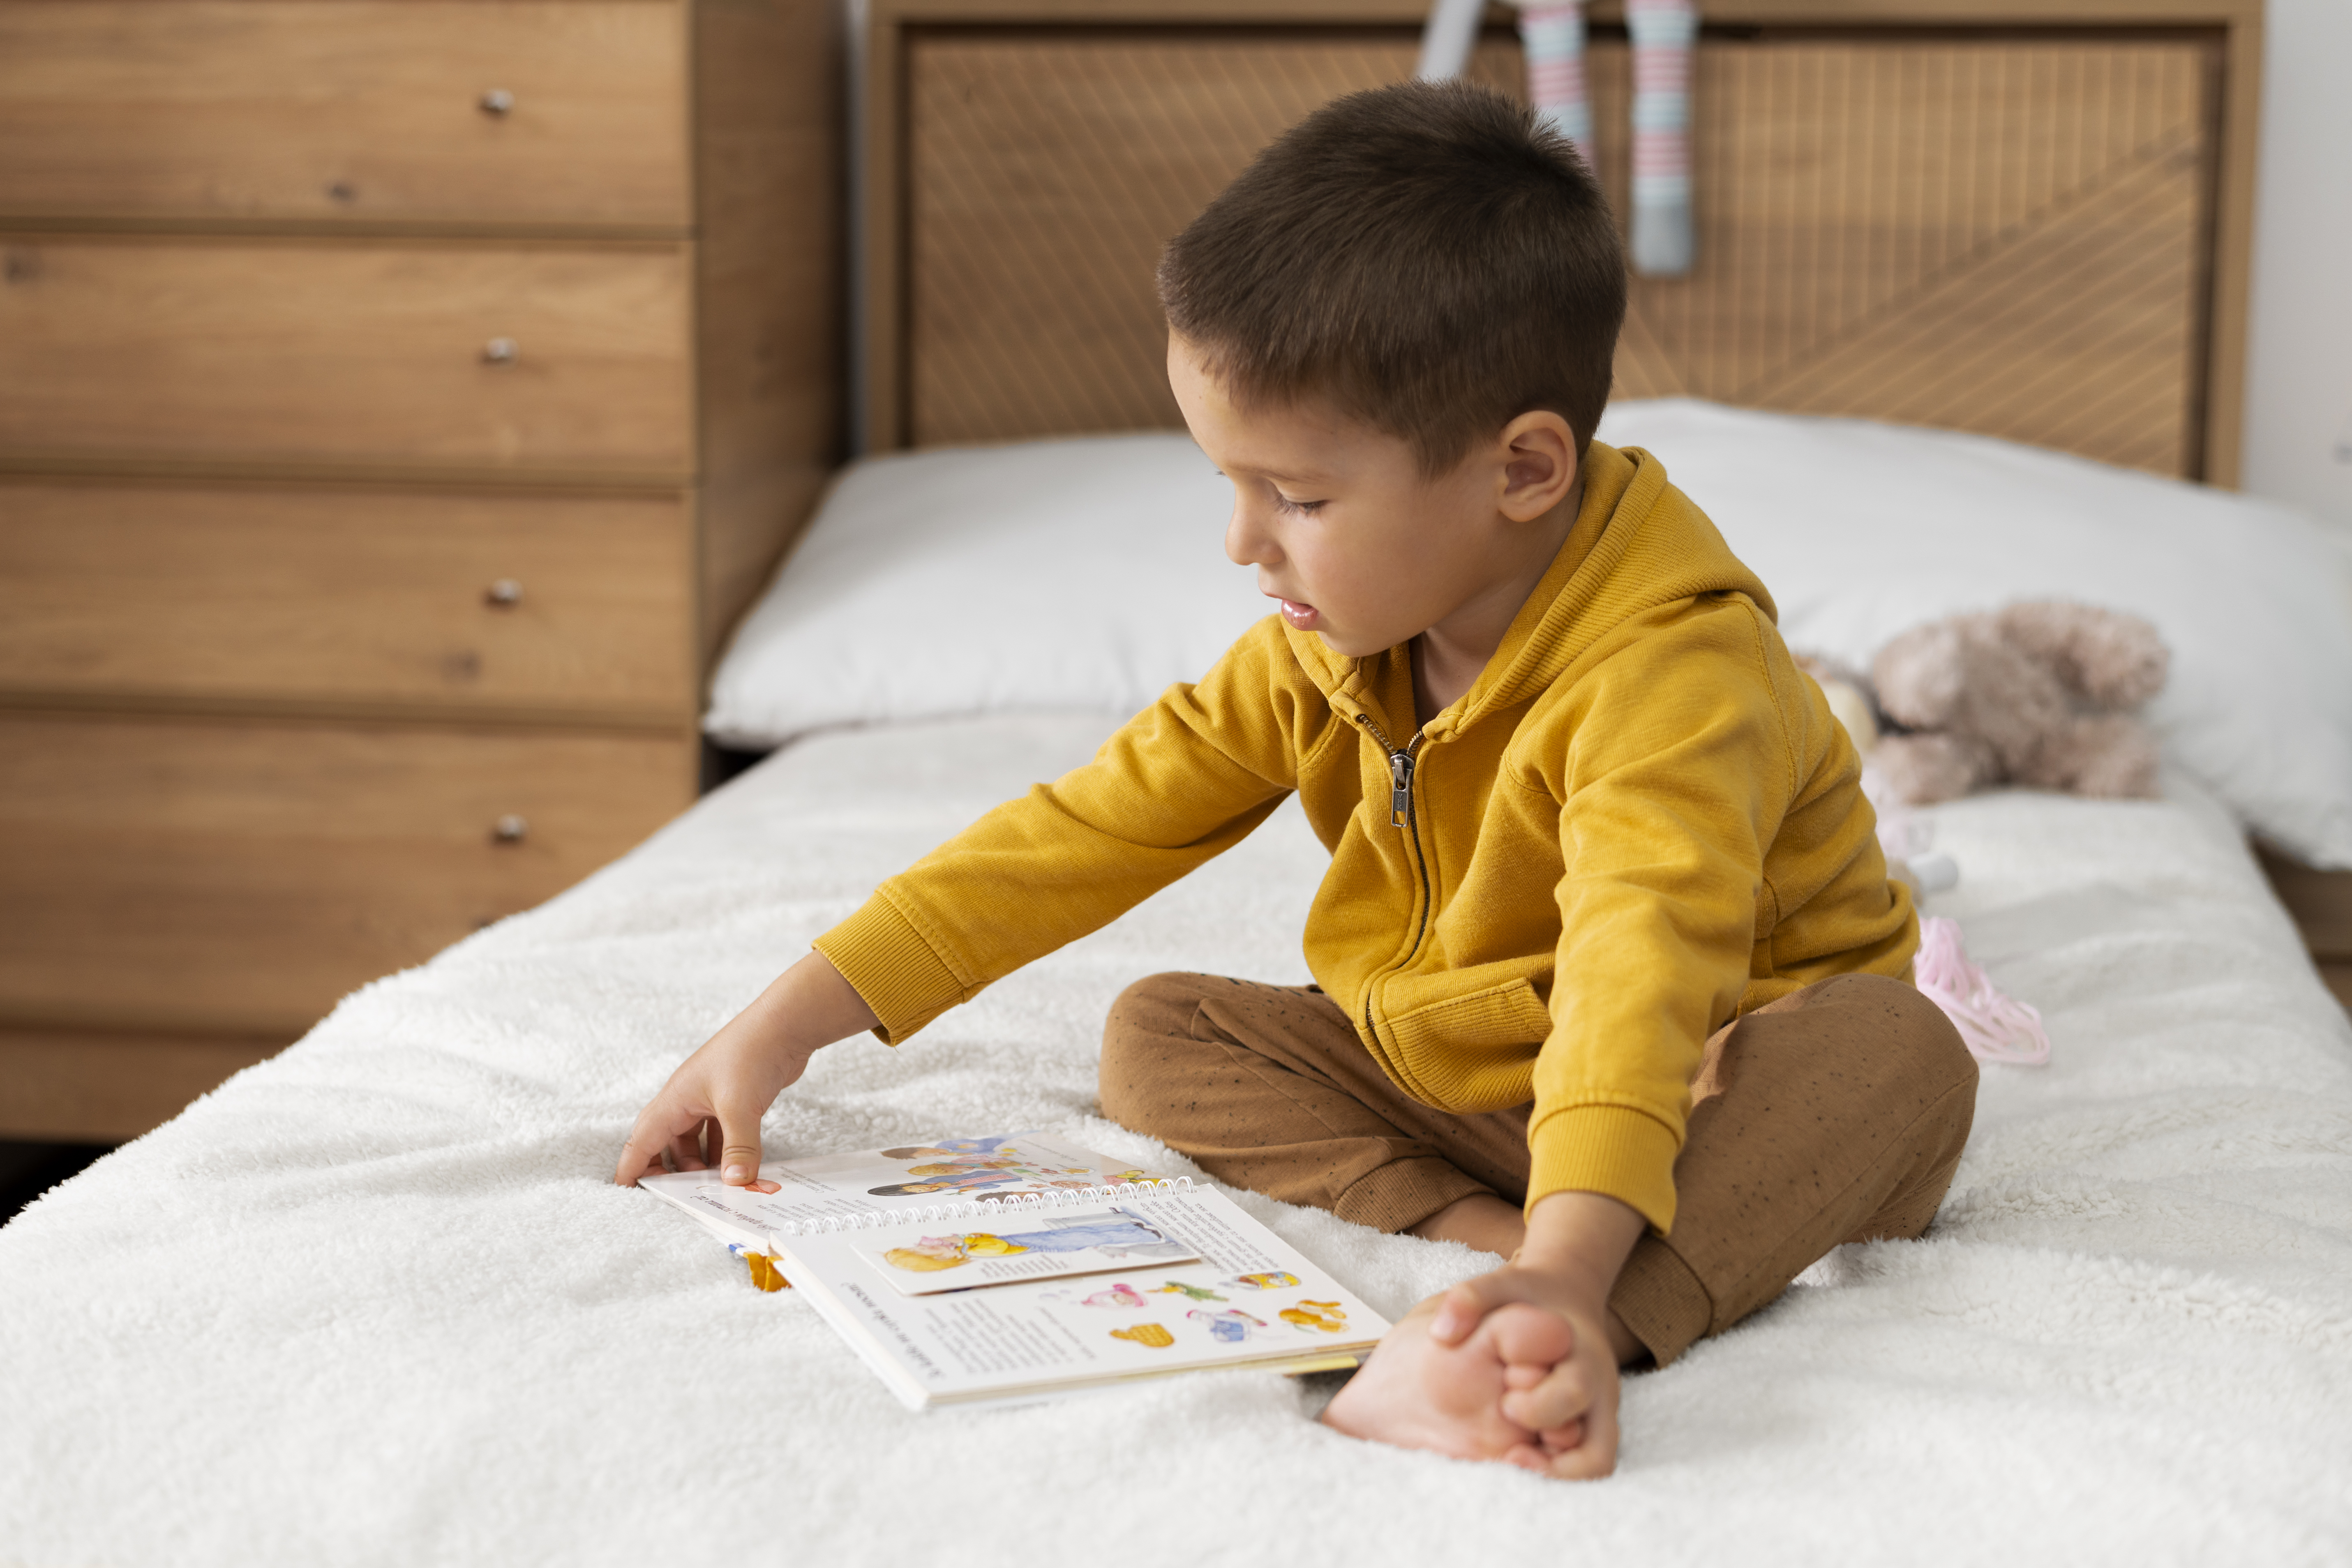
[[371, 1301]]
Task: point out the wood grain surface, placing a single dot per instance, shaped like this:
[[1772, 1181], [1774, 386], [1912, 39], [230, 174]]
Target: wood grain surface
[[770, 328], [2320, 901], [241, 876], [302, 351], [255, 351], [297, 595], [108, 1086], [2000, 234], [345, 111], [891, 14]]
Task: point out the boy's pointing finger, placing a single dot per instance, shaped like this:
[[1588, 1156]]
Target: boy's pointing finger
[[642, 1153]]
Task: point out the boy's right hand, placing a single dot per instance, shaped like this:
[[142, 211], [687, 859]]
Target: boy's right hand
[[716, 1098]]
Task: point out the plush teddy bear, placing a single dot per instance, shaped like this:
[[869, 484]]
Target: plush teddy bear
[[2031, 695]]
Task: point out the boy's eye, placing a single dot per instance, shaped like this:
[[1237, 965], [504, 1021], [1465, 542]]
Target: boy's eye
[[1301, 509]]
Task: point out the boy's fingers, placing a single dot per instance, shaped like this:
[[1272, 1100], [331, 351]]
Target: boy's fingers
[[642, 1153], [685, 1150], [629, 1167], [738, 1127], [656, 1131]]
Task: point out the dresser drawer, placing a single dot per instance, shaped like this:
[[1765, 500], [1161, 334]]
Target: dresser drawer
[[406, 355], [225, 876], [349, 596], [345, 110]]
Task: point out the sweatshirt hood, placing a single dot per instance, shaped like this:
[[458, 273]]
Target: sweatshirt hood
[[1638, 544]]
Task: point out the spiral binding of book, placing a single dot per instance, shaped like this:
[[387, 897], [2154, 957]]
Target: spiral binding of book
[[835, 1224]]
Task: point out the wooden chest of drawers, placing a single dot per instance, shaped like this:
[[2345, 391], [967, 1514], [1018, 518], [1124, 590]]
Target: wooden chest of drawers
[[398, 400]]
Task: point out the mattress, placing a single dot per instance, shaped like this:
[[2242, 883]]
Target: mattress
[[375, 1302]]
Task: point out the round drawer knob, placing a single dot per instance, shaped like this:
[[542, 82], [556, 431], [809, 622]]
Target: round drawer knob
[[500, 351], [509, 830], [503, 594], [498, 103]]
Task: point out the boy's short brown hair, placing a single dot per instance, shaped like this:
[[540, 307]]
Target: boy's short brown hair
[[1424, 256]]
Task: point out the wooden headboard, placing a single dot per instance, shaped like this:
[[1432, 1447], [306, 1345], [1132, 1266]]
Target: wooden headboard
[[2024, 217]]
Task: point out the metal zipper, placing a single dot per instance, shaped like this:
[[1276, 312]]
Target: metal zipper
[[1400, 771], [1400, 764]]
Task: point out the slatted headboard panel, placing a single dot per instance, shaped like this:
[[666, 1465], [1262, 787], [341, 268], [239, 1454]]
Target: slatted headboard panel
[[2031, 233]]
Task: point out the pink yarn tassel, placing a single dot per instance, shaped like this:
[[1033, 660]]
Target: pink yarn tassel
[[1994, 1026]]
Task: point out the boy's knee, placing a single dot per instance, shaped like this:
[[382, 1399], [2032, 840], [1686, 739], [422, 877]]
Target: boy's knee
[[1927, 1036], [1154, 1007], [1928, 1091], [1927, 1074], [1901, 1042], [1149, 1019]]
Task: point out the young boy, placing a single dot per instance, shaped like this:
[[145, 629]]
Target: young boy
[[1613, 982]]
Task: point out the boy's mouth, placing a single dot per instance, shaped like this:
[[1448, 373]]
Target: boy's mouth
[[1301, 616]]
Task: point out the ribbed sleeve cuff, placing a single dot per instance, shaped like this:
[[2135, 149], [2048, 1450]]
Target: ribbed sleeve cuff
[[1615, 1150], [893, 966]]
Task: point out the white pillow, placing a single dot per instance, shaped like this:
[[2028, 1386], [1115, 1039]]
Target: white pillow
[[1861, 530], [1085, 574], [1089, 573]]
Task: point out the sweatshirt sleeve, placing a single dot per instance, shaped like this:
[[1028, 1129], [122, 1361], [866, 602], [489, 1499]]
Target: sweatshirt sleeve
[[1672, 790], [1179, 784]]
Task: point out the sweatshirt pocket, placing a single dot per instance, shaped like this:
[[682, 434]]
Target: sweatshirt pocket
[[1476, 1051]]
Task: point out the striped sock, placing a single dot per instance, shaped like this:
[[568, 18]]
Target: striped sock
[[1663, 32], [1551, 32]]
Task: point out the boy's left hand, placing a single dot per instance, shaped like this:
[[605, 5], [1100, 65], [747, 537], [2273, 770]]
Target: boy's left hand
[[1518, 1365], [1568, 1404]]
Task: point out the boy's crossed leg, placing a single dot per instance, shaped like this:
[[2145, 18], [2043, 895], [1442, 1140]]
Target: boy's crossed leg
[[1837, 1114]]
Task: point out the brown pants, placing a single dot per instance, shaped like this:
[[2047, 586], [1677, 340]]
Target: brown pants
[[1834, 1114]]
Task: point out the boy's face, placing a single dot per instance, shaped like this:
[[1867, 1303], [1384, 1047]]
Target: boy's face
[[1347, 534]]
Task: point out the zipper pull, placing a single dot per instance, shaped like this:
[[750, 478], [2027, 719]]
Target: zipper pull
[[1400, 788]]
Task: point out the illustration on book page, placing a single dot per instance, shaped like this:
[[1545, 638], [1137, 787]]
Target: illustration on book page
[[1095, 1242], [876, 1181]]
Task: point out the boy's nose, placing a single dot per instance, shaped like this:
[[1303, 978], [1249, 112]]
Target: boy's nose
[[1246, 540]]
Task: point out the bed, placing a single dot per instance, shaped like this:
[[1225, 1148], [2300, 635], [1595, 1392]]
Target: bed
[[373, 1301], [368, 1303]]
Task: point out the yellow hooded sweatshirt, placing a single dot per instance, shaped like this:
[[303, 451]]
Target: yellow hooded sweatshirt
[[1640, 820]]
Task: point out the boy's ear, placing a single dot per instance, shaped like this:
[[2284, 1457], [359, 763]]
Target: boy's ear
[[1539, 465]]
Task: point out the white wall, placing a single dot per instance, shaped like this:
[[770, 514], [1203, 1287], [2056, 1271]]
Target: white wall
[[2298, 445]]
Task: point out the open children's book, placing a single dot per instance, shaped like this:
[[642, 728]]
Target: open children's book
[[1016, 1266]]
